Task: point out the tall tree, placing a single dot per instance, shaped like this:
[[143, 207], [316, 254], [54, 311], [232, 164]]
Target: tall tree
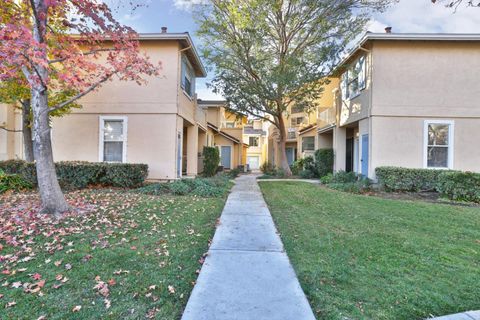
[[272, 54], [30, 45], [457, 3]]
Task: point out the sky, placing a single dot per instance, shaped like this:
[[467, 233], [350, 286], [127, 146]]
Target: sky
[[406, 16]]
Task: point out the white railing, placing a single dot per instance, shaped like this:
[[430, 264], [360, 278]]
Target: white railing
[[327, 117]]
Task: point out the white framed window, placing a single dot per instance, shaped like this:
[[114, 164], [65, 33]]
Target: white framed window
[[253, 141], [187, 79], [438, 144], [230, 124], [113, 139], [353, 80]]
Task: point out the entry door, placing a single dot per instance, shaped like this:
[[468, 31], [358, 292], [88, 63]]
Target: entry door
[[290, 155], [253, 163], [365, 155], [226, 156]]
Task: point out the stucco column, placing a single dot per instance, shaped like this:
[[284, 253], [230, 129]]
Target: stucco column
[[192, 150], [340, 147]]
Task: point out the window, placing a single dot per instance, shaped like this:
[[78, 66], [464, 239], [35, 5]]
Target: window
[[438, 144], [353, 80], [187, 77], [113, 138], [308, 144], [297, 121], [230, 124], [297, 109], [253, 141]]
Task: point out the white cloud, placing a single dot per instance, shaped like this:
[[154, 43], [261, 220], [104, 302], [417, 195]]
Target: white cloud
[[423, 16], [187, 4]]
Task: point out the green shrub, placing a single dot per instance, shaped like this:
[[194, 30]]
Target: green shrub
[[234, 173], [78, 174], [268, 168], [210, 161], [344, 177], [360, 186], [216, 186], [12, 182], [405, 179], [460, 186], [306, 174], [324, 159], [327, 179]]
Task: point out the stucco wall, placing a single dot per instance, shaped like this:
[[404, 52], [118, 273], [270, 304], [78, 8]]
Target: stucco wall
[[400, 142], [151, 139]]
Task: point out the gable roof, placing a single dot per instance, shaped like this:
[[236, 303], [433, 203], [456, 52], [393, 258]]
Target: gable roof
[[188, 46], [370, 36], [226, 135]]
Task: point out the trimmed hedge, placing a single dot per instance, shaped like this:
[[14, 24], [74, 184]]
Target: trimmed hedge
[[12, 182], [78, 175], [460, 186], [210, 161], [324, 159], [405, 179]]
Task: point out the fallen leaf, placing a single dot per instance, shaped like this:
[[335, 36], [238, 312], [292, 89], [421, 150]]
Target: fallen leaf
[[37, 276], [76, 308], [68, 266], [10, 304], [171, 289]]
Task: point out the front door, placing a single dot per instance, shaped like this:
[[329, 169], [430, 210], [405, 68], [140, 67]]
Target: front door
[[365, 155], [290, 155], [226, 157], [253, 162]]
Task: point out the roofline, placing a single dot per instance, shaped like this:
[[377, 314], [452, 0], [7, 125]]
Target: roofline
[[176, 36], [185, 36], [306, 129], [212, 103], [370, 36]]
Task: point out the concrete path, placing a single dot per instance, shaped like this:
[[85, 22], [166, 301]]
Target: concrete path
[[247, 275], [469, 315]]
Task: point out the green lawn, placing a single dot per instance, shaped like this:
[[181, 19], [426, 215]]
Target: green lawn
[[126, 256], [360, 257]]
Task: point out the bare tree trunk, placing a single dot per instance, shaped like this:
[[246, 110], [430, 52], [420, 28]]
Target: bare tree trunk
[[27, 130], [282, 145], [53, 201]]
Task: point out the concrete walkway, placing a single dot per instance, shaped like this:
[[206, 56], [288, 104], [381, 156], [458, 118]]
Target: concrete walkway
[[469, 315], [247, 275]]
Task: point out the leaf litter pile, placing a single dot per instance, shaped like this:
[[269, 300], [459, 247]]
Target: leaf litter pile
[[117, 255]]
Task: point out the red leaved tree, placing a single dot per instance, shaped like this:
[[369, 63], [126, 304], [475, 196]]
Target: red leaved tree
[[95, 49]]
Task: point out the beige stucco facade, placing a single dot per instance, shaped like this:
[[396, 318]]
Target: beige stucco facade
[[162, 124], [411, 82]]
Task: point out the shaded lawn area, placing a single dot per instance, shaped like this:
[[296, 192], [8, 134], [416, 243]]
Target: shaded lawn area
[[124, 256], [360, 257]]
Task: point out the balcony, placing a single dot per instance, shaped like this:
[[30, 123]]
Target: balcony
[[292, 134], [327, 118]]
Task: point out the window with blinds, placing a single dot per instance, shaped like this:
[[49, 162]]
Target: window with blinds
[[113, 136]]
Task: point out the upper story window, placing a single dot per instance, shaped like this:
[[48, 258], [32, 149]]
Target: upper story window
[[187, 77], [113, 139], [438, 144], [230, 124], [297, 121], [297, 109], [354, 79], [253, 141]]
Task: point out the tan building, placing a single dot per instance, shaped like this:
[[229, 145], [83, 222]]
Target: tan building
[[408, 100], [225, 131], [159, 123], [255, 135], [301, 128]]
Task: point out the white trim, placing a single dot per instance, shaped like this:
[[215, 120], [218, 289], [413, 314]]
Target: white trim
[[451, 144], [101, 136]]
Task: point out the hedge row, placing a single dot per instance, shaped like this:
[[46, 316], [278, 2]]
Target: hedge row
[[455, 185], [78, 175]]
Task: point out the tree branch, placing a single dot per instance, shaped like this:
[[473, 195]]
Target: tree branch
[[81, 94], [9, 130], [84, 53]]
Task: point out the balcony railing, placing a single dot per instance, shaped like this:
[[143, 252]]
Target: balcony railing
[[327, 117], [291, 135]]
